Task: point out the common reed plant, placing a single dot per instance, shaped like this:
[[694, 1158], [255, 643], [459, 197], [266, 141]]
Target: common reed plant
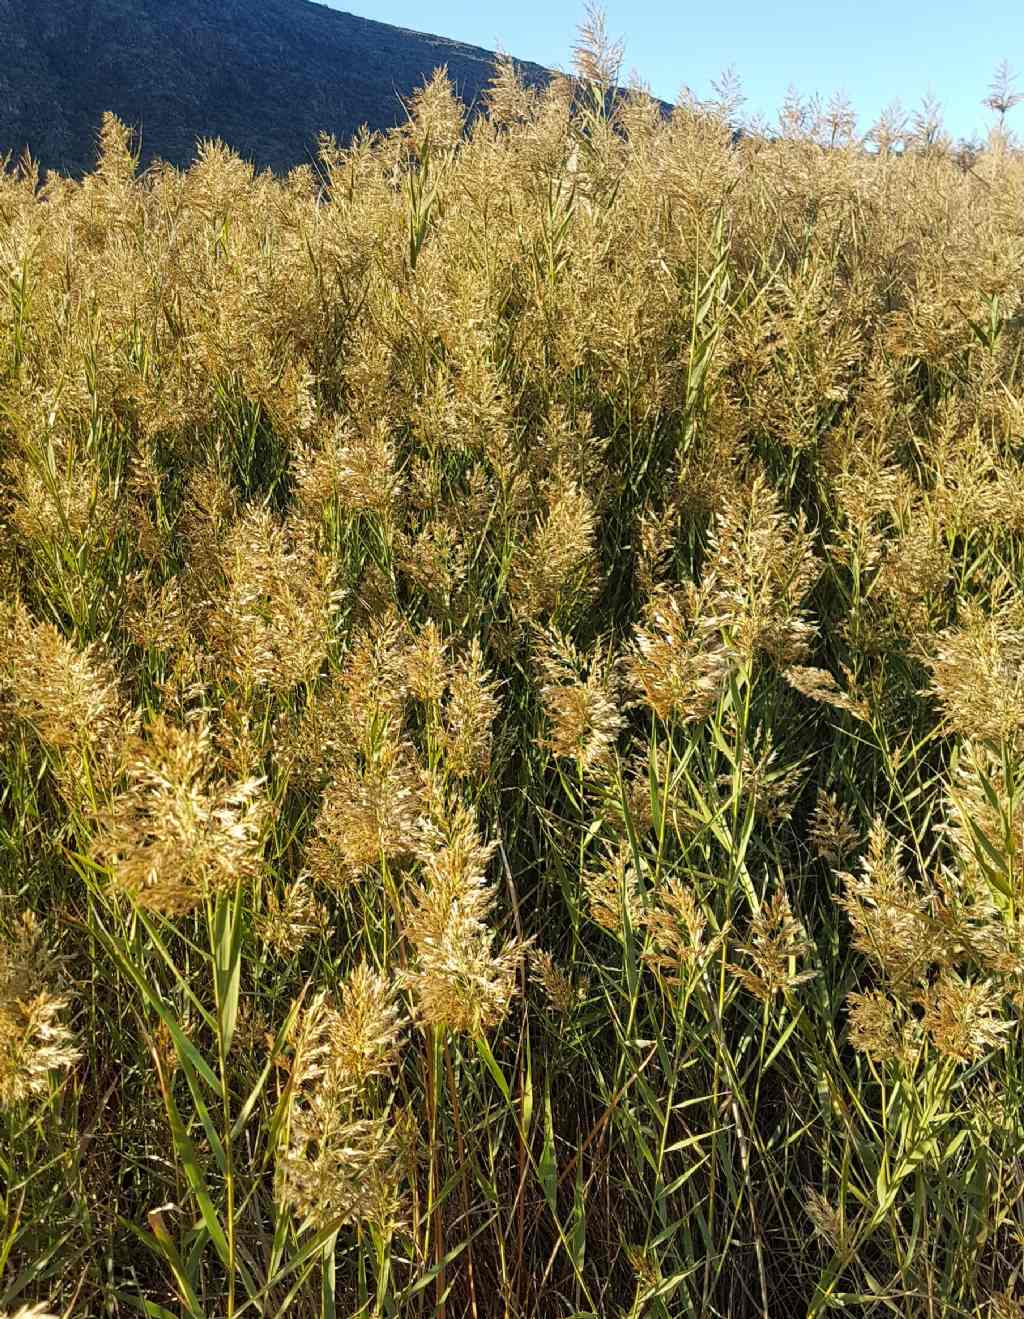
[[512, 758]]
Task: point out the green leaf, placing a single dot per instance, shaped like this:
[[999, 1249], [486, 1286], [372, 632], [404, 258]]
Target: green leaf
[[484, 1050], [547, 1166], [228, 966]]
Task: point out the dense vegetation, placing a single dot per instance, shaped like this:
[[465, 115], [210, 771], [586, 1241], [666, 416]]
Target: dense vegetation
[[512, 759]]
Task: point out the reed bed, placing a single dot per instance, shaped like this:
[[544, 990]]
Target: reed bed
[[512, 707]]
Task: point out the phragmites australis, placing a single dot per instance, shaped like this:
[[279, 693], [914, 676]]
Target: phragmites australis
[[67, 697], [831, 831], [469, 714], [679, 941], [351, 472], [613, 889], [877, 1025], [555, 567], [761, 568], [562, 995], [978, 677], [341, 1161], [985, 818], [963, 1018], [369, 815], [889, 912], [426, 664], [776, 944], [35, 1039], [272, 624], [461, 979], [564, 525], [177, 831], [680, 662], [61, 495], [820, 685], [580, 696], [373, 684], [292, 920]]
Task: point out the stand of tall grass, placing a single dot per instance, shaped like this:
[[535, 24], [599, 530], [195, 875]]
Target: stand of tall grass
[[512, 706]]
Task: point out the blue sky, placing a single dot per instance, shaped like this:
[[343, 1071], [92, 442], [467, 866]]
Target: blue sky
[[874, 50]]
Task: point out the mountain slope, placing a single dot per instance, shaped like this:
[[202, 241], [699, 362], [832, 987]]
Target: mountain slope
[[266, 76]]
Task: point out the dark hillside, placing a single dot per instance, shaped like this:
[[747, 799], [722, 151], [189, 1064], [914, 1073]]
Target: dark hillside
[[266, 76]]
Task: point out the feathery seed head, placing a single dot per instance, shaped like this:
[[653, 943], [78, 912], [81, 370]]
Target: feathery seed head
[[340, 1163], [370, 814], [272, 625], [34, 1039], [819, 685], [178, 832], [889, 914], [580, 699], [469, 714], [373, 682], [293, 920], [555, 567], [364, 1032], [978, 678], [68, 698], [679, 661], [760, 570], [831, 832], [826, 1220], [677, 930], [562, 995], [426, 665], [459, 980], [776, 939], [876, 1026], [963, 1018], [613, 890]]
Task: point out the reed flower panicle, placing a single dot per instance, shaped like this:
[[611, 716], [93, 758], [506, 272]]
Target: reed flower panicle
[[272, 625], [763, 780], [354, 472], [776, 939], [825, 1218], [680, 662], [562, 994], [612, 889], [35, 1040], [426, 665], [985, 817], [831, 831], [178, 832], [820, 685], [69, 698], [469, 714], [372, 682], [460, 981], [963, 1018], [581, 700], [876, 1026], [291, 921], [679, 939], [555, 566], [341, 1162], [761, 569], [890, 915], [364, 1032], [978, 677], [369, 815]]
